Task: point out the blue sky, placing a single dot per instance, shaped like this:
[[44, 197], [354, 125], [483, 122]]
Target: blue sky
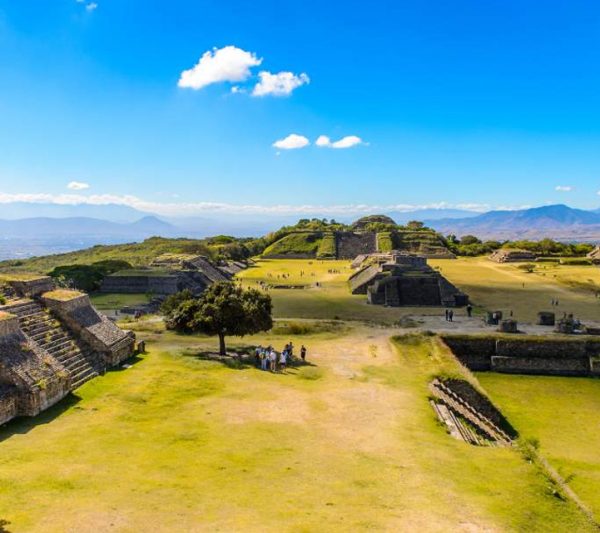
[[466, 103]]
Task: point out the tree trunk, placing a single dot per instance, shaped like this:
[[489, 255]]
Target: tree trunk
[[222, 350]]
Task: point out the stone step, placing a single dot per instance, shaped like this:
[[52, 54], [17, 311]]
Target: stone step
[[464, 409], [82, 378]]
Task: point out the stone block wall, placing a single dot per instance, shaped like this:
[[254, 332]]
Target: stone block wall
[[350, 244], [95, 329], [36, 380], [527, 355]]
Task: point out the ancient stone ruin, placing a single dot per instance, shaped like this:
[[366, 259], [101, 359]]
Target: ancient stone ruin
[[402, 279], [51, 342], [170, 273], [507, 255], [527, 354], [469, 415], [594, 255]]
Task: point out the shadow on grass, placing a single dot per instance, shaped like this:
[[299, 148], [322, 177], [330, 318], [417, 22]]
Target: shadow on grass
[[133, 360], [22, 425], [244, 359]]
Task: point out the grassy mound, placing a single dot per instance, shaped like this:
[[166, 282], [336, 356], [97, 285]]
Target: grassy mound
[[327, 249], [295, 245], [384, 241]]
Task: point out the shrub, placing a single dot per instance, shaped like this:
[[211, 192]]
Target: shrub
[[576, 261], [527, 267]]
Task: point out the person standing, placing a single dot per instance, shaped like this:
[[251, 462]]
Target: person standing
[[450, 315], [283, 361], [469, 310], [447, 315], [273, 360], [303, 353]]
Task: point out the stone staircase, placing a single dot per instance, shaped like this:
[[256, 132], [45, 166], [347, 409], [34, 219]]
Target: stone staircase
[[49, 334], [451, 407], [8, 293], [361, 279]]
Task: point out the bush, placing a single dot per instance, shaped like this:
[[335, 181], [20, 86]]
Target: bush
[[527, 267], [576, 261]]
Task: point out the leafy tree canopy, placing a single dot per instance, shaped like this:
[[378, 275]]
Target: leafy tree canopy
[[224, 309]]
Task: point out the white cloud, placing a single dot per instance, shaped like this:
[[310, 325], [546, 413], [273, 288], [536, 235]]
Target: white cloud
[[78, 185], [563, 188], [91, 6], [291, 142], [229, 64], [199, 208], [345, 142], [280, 84], [323, 140]]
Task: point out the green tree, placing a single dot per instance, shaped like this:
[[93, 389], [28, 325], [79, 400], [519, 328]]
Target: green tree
[[469, 239], [172, 302], [224, 309], [415, 224]]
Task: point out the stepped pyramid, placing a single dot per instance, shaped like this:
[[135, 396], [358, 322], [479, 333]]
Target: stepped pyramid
[[51, 343]]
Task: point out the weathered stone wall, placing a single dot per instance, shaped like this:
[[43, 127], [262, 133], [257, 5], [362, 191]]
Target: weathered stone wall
[[8, 403], [33, 287], [527, 355], [93, 328], [350, 244], [37, 379], [140, 284]]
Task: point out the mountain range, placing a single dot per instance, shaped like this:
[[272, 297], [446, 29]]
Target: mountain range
[[559, 222], [57, 228]]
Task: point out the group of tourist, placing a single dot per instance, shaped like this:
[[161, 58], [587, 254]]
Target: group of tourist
[[269, 359], [450, 313]]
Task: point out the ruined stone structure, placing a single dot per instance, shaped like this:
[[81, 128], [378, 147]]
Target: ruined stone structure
[[527, 355], [594, 255], [468, 414], [51, 342], [349, 244], [507, 255], [168, 274], [405, 280]]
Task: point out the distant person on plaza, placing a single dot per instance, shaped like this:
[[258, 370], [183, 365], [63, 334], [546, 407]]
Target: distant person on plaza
[[283, 360]]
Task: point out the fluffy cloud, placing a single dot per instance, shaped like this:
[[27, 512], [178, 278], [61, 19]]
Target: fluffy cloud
[[200, 208], [229, 64], [280, 84], [78, 185], [345, 142], [291, 142], [563, 188], [91, 6]]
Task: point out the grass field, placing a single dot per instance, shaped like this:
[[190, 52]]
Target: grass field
[[347, 443], [564, 415], [505, 287], [331, 300], [106, 302], [351, 444]]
